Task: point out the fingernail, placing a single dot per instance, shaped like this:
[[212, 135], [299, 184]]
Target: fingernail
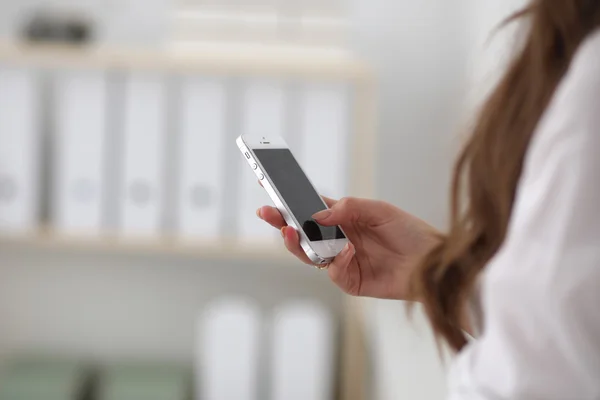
[[283, 232], [347, 250], [258, 213], [322, 215]]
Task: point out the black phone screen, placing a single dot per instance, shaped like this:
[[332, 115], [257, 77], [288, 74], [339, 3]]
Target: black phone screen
[[297, 191]]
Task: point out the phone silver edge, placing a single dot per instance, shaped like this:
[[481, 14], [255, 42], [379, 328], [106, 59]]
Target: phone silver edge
[[280, 204]]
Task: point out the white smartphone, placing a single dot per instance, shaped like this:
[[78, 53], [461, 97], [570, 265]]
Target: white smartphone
[[293, 194]]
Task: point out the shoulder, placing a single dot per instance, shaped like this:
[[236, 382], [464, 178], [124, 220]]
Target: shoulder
[[558, 191], [581, 83], [572, 119], [586, 62], [582, 80]]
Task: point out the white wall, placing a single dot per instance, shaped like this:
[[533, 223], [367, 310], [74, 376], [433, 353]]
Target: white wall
[[491, 44], [118, 21], [418, 50]]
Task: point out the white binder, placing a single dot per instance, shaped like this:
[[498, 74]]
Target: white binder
[[81, 118], [303, 350], [228, 352], [264, 113], [325, 129], [144, 143], [19, 150], [201, 156]]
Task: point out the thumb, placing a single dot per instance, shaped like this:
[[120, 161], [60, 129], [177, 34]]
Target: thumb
[[352, 209]]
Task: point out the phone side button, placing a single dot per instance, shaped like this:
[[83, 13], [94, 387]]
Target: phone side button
[[254, 166], [261, 176]]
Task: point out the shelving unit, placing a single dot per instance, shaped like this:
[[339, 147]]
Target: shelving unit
[[233, 60]]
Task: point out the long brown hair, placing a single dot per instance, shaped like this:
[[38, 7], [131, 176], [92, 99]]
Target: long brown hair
[[489, 167]]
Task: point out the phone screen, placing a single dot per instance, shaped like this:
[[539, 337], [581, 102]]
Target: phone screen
[[297, 191]]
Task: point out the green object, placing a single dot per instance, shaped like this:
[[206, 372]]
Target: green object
[[42, 379], [145, 382]]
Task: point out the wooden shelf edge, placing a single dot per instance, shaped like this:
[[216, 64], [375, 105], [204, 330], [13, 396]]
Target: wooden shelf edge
[[209, 59], [164, 246]]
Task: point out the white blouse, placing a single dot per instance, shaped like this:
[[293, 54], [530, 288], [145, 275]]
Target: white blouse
[[540, 295]]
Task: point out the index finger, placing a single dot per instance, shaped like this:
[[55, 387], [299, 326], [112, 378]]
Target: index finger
[[330, 202]]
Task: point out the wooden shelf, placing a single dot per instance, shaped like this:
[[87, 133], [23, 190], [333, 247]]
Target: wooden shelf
[[220, 59], [115, 245]]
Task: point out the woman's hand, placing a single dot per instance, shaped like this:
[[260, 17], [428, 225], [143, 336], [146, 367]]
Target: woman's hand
[[386, 245]]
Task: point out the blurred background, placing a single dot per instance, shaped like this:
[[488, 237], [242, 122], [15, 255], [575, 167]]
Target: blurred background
[[132, 265]]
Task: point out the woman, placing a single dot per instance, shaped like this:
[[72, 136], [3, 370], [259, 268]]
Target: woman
[[520, 265]]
